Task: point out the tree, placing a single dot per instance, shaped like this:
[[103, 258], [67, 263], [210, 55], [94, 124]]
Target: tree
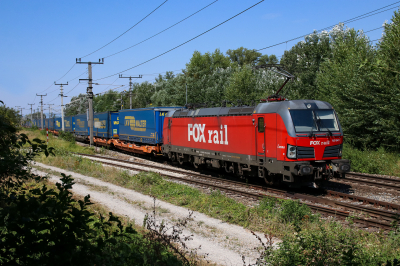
[[303, 60], [243, 56], [388, 81], [78, 105], [346, 80], [10, 115], [265, 59], [106, 102]]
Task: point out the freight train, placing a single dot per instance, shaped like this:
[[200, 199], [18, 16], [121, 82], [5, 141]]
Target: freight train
[[293, 142]]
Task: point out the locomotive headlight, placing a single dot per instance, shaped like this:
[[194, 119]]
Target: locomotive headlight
[[291, 151]]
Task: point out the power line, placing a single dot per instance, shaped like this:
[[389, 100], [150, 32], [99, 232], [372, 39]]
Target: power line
[[67, 72], [184, 42], [73, 88], [126, 30], [162, 30], [345, 22]]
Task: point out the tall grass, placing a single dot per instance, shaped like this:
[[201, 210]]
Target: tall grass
[[372, 161]]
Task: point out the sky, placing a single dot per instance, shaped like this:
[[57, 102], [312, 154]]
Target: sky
[[40, 40]]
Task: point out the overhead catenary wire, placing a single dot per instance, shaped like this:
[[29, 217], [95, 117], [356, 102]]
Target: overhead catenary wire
[[162, 30], [125, 31], [363, 16], [184, 42]]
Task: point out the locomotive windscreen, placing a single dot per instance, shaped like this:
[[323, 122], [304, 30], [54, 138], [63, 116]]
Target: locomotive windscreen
[[314, 120]]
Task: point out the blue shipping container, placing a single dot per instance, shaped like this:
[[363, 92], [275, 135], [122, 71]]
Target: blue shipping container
[[101, 125], [51, 124], [68, 124], [144, 125], [81, 125], [114, 125], [57, 124]]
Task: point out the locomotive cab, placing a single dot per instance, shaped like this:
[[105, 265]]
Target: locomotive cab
[[309, 141]]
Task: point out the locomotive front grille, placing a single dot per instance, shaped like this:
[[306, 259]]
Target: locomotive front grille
[[332, 151], [305, 152]]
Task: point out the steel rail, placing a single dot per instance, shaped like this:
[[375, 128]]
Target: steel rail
[[385, 215]]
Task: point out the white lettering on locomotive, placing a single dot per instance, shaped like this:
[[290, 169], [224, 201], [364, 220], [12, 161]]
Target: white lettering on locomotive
[[196, 131], [317, 142]]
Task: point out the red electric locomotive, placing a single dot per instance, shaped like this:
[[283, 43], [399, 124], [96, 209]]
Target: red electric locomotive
[[281, 141]]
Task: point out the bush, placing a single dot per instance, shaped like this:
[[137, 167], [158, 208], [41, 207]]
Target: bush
[[372, 161], [333, 244], [287, 211], [68, 136]]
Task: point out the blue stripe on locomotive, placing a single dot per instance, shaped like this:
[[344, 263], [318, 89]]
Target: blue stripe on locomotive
[[144, 125], [57, 123], [81, 125], [114, 129]]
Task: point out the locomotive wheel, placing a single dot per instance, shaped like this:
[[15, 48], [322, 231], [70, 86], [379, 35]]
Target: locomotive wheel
[[180, 160], [268, 179]]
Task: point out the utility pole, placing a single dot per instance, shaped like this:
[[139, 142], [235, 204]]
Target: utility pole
[[90, 93], [50, 109], [41, 108], [122, 101], [130, 88], [31, 110], [19, 107], [62, 105]]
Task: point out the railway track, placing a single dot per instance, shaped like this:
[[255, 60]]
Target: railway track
[[368, 214], [370, 180]]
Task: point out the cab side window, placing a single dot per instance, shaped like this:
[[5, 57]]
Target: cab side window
[[261, 124]]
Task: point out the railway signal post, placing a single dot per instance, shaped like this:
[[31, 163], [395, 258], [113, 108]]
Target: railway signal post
[[90, 93], [130, 88], [62, 104]]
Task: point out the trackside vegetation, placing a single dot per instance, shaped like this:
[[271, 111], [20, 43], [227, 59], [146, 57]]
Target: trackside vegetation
[[307, 238], [42, 224]]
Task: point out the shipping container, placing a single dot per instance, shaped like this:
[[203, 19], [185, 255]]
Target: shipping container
[[114, 125], [69, 123], [57, 124], [51, 124], [81, 125], [103, 125], [143, 125]]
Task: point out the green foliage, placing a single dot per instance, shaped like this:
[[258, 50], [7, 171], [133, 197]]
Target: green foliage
[[10, 115], [42, 226], [78, 105], [332, 244], [243, 56], [388, 82], [148, 179], [372, 161], [344, 81], [65, 135], [106, 102], [287, 211], [303, 60]]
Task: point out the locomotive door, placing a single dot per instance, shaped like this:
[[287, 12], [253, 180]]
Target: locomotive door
[[260, 139]]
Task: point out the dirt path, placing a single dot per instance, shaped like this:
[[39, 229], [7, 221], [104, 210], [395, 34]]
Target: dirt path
[[224, 243]]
